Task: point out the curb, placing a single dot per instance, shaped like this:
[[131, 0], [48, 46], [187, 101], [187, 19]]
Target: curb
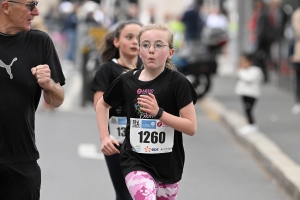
[[278, 165]]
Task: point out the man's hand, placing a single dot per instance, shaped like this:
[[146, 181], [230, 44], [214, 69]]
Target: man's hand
[[53, 92], [43, 75]]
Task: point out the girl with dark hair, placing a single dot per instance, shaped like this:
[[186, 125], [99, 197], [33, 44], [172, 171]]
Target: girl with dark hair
[[119, 53]]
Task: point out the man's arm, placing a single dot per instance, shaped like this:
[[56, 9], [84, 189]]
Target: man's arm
[[53, 92], [55, 97]]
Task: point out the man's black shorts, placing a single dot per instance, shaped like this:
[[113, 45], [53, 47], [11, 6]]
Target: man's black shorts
[[20, 181]]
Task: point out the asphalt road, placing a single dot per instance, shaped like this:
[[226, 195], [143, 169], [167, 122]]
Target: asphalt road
[[216, 166]]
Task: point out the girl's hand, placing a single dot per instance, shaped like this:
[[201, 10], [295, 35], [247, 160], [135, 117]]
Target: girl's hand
[[108, 146], [148, 104]]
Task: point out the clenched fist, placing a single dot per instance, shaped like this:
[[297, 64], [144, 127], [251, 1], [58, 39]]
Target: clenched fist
[[43, 75]]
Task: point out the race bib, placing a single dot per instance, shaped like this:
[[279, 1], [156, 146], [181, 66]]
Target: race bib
[[150, 136], [117, 126]]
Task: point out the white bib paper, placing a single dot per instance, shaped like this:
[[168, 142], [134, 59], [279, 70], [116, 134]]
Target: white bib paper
[[151, 136], [117, 127]]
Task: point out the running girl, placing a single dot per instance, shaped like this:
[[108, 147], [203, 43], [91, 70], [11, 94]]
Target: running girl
[[159, 102], [119, 53]]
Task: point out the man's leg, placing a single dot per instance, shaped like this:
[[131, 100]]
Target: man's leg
[[20, 181]]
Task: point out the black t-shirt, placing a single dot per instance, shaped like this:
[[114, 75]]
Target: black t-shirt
[[172, 91], [20, 92], [105, 75]]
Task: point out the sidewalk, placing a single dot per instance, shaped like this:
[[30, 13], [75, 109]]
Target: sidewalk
[[276, 145]]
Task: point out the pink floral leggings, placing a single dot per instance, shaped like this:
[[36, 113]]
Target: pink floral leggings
[[142, 186]]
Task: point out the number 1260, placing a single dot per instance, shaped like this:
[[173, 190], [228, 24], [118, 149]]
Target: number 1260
[[153, 137]]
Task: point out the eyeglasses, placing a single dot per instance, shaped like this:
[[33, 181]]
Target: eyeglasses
[[31, 5], [157, 46]]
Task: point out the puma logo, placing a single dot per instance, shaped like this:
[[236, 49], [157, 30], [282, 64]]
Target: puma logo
[[8, 67]]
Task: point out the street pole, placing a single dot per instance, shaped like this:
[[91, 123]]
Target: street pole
[[239, 13], [244, 12]]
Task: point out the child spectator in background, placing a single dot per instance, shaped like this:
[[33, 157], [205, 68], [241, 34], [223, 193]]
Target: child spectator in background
[[248, 88]]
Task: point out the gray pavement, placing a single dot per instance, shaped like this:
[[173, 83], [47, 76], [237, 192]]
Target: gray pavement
[[276, 145]]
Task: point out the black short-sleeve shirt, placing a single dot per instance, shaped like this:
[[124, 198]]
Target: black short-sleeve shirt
[[105, 75], [20, 92], [173, 92]]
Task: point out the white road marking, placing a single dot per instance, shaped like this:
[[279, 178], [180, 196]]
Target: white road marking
[[89, 151]]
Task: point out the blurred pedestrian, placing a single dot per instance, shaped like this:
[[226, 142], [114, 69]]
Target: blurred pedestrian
[[192, 44], [295, 58], [218, 23], [148, 16], [119, 54], [133, 11], [53, 19], [249, 89], [216, 19], [178, 27], [90, 20], [70, 30], [159, 103], [29, 68], [264, 36], [193, 23], [252, 23], [280, 17]]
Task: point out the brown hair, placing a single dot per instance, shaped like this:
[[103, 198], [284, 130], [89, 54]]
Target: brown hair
[[161, 27], [107, 49]]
